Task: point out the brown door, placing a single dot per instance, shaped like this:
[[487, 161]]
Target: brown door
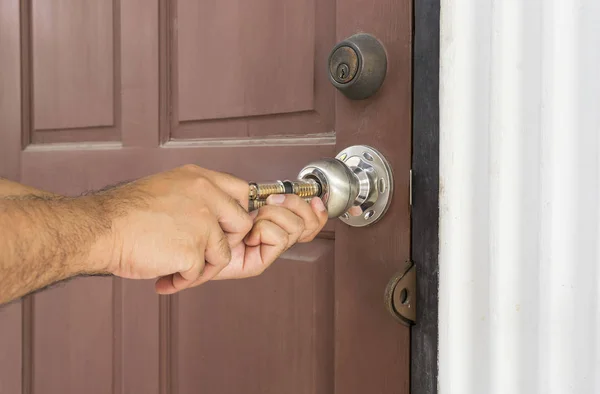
[[94, 92]]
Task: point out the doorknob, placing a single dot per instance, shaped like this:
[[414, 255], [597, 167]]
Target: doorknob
[[356, 186], [357, 66]]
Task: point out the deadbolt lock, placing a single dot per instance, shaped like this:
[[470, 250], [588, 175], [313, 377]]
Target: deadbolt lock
[[357, 66], [356, 186]]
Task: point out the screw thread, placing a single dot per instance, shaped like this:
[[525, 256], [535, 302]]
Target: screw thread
[[307, 188], [256, 204], [260, 191]]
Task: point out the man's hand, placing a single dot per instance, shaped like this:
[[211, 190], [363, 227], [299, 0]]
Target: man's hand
[[285, 221], [190, 225], [179, 225]]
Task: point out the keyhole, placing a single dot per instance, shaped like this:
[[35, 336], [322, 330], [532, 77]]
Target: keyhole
[[343, 71]]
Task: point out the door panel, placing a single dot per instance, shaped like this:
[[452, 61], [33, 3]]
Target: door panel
[[252, 71], [99, 92], [85, 73], [72, 46], [287, 313], [241, 69]]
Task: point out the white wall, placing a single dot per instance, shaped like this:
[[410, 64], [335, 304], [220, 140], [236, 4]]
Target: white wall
[[519, 197]]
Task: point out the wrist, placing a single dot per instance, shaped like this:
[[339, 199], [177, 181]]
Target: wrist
[[103, 254]]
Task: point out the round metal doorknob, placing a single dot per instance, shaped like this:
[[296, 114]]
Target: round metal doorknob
[[356, 186], [357, 66]]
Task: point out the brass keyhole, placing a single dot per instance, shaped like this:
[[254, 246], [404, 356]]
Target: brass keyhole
[[343, 65], [343, 71]]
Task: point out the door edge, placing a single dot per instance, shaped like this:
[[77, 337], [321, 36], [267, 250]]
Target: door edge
[[425, 197]]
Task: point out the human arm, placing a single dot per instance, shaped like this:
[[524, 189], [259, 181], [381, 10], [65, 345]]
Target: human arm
[[44, 238], [181, 226]]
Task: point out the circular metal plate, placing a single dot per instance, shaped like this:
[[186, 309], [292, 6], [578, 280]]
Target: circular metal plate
[[378, 184]]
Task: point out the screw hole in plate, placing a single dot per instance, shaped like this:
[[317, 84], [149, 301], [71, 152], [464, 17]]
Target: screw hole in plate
[[381, 185], [367, 156], [369, 214]]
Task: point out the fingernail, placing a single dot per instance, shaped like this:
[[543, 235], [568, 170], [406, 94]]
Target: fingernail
[[276, 199], [355, 211], [318, 204]]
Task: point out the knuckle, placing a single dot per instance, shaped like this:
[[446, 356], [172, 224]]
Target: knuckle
[[237, 182], [311, 236], [312, 223], [245, 219], [247, 224], [188, 262], [203, 211], [285, 239], [300, 224], [202, 185], [224, 250], [191, 168]]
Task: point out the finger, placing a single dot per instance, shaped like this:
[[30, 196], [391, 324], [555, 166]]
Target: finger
[[284, 218], [164, 285], [313, 214], [178, 281], [233, 219], [218, 256], [212, 259], [355, 211], [265, 243], [321, 211], [235, 187]]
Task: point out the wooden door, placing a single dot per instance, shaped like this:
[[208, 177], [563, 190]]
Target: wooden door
[[95, 92]]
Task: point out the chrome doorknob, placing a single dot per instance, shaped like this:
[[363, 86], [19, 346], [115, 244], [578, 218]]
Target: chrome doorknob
[[356, 186]]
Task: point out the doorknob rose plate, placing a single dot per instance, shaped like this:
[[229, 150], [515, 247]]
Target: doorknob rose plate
[[357, 66], [356, 186], [376, 185]]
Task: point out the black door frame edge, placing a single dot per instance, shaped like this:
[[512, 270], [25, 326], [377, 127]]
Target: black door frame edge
[[425, 209]]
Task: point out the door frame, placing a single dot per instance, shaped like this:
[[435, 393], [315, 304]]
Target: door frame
[[425, 194]]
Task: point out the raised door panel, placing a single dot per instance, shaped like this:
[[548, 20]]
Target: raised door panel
[[73, 63], [84, 71], [239, 69], [270, 334]]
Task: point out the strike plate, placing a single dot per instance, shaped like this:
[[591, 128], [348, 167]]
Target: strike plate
[[401, 295]]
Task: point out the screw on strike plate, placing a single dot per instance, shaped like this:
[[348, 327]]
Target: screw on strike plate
[[342, 71]]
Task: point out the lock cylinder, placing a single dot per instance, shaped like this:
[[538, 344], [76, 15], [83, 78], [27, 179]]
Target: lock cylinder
[[260, 191]]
